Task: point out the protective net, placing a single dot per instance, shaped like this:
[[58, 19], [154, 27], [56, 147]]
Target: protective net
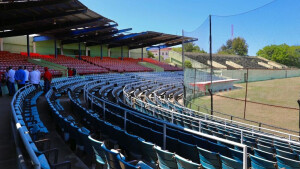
[[255, 60]]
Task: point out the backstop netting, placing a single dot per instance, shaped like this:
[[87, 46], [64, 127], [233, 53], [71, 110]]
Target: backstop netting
[[255, 76]]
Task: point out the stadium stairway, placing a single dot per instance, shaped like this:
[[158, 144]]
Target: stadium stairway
[[152, 66], [65, 153], [50, 65], [7, 146]]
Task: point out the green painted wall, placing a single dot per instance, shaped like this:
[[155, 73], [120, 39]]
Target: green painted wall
[[116, 52], [16, 44], [96, 51], [47, 47]]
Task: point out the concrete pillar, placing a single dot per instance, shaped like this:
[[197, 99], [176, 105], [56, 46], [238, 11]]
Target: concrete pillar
[[34, 47], [108, 52], [87, 51], [128, 53], [61, 49], [1, 44]]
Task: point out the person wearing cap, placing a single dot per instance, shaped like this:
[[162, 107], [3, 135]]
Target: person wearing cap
[[20, 76], [11, 81], [47, 80]]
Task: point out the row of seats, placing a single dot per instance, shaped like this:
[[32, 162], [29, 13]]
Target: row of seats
[[33, 129]]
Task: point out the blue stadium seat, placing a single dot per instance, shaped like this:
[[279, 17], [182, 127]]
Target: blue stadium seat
[[183, 163], [209, 159], [99, 152], [229, 163], [165, 159], [264, 155], [128, 165], [283, 162], [188, 151], [112, 158], [148, 153], [287, 154], [259, 163]]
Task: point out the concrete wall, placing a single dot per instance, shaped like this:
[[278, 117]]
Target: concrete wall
[[17, 44]]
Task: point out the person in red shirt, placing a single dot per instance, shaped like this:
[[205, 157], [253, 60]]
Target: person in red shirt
[[70, 72], [47, 80]]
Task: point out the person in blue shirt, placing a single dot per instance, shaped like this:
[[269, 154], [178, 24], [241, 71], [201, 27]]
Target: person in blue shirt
[[20, 77]]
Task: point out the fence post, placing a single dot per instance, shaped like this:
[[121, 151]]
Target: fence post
[[125, 120], [245, 158], [259, 126], [198, 108], [164, 136]]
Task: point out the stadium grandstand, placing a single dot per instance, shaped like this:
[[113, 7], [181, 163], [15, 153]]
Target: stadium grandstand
[[119, 112]]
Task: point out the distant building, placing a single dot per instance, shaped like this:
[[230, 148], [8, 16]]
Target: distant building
[[164, 53]]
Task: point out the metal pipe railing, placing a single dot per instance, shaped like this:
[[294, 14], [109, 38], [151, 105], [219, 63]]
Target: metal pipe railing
[[91, 97], [31, 153]]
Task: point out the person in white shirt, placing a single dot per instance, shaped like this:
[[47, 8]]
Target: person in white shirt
[[35, 77], [26, 74], [11, 81]]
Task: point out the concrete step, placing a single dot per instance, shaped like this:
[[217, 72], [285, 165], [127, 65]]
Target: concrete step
[[8, 164]]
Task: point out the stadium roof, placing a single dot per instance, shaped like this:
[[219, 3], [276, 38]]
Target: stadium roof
[[71, 22]]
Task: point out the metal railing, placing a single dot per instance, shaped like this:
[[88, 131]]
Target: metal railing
[[254, 129], [31, 153], [102, 103]]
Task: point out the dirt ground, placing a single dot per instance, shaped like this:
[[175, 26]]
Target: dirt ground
[[280, 92]]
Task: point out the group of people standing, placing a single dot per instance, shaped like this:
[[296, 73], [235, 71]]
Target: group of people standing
[[22, 77]]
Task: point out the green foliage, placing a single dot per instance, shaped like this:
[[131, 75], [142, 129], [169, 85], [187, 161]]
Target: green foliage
[[284, 54], [150, 54], [236, 46], [188, 64], [189, 47]]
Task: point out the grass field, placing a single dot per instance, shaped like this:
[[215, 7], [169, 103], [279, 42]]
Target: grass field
[[281, 92]]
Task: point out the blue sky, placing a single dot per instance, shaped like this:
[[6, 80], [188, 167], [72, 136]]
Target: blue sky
[[171, 16]]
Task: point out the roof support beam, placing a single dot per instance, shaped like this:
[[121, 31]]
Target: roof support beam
[[37, 29], [28, 4], [9, 23]]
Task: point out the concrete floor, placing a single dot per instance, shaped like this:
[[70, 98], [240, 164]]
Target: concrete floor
[[8, 157]]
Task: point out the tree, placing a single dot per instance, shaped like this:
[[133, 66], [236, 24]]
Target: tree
[[284, 54], [150, 54], [188, 64], [236, 46], [190, 47]]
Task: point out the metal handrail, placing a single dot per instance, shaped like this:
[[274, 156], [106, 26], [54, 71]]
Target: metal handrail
[[32, 155], [92, 98], [211, 116]]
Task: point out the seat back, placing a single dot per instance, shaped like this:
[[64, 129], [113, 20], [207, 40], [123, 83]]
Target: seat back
[[183, 163], [99, 153], [209, 159], [286, 154], [126, 165], [165, 159], [148, 152], [111, 158], [264, 155], [287, 163], [229, 163], [259, 163], [188, 151]]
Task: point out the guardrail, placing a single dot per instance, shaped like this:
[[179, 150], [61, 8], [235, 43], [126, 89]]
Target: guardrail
[[254, 129], [35, 162], [90, 97]]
